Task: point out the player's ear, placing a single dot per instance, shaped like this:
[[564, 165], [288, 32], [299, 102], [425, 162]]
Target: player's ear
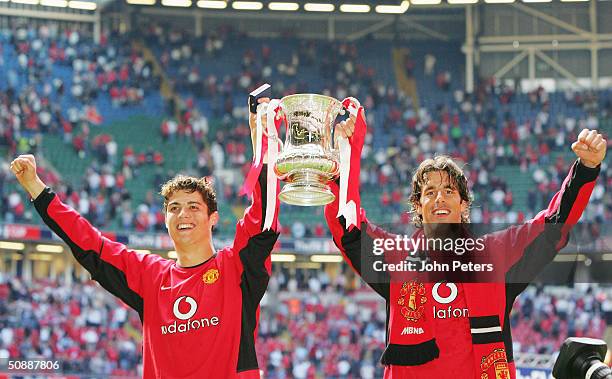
[[464, 206], [465, 211], [214, 218]]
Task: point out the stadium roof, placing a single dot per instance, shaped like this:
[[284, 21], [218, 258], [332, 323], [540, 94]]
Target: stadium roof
[[327, 6]]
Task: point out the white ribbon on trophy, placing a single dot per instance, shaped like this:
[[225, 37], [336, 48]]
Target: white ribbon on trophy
[[272, 154], [347, 209], [259, 127], [259, 136]]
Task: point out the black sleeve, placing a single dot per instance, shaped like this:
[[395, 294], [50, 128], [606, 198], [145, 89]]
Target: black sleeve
[[357, 246], [531, 255], [254, 259], [110, 263]]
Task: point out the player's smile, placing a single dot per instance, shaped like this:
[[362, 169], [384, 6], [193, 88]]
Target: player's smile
[[185, 226], [441, 213]]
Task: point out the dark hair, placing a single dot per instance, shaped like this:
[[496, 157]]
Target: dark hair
[[190, 184], [457, 178]]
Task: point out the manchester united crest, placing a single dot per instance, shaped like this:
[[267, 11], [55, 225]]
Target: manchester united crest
[[412, 297], [498, 360], [502, 371], [210, 276]]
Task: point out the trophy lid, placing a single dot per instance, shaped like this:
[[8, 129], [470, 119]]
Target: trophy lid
[[302, 99]]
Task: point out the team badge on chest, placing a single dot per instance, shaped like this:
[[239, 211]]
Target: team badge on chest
[[210, 276], [412, 297]]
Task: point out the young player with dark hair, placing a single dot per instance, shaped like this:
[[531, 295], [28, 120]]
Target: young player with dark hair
[[200, 312]]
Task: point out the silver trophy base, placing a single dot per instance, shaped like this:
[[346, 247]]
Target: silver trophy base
[[306, 189]]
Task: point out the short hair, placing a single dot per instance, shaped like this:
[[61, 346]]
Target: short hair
[[190, 184], [457, 178]]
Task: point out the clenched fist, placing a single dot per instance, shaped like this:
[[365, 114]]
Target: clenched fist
[[590, 147], [24, 168]]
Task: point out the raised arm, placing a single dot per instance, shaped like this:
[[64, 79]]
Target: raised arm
[[532, 245], [357, 245], [252, 244], [24, 168], [252, 223], [353, 238], [118, 269]]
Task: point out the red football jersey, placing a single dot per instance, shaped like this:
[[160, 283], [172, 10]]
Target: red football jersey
[[198, 322], [455, 336]]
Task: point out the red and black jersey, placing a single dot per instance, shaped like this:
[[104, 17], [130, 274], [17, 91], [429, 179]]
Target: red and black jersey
[[198, 322], [471, 320]]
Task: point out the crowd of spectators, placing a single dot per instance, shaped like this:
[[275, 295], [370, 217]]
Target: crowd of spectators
[[480, 129], [311, 325], [78, 324], [544, 316], [54, 78], [48, 67]]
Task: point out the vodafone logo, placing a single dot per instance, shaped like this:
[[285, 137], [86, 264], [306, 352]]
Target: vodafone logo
[[193, 307], [450, 311], [448, 299], [187, 324]]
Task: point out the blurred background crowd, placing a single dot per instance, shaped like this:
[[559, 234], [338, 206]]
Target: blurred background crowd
[[311, 325], [111, 121]]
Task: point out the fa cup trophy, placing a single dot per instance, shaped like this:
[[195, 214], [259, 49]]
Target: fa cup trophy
[[309, 158]]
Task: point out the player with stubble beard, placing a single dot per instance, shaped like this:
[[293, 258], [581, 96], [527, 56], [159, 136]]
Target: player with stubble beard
[[476, 341]]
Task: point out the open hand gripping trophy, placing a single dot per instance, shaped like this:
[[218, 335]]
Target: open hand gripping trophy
[[309, 158]]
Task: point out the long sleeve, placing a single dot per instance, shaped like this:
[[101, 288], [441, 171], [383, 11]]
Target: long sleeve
[[117, 268], [250, 254], [531, 246], [249, 229], [357, 245]]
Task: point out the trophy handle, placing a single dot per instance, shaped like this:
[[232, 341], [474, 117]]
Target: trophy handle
[[262, 108], [334, 138], [262, 123], [280, 113]]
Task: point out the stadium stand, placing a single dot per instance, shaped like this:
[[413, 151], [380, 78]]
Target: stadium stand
[[503, 134], [109, 136]]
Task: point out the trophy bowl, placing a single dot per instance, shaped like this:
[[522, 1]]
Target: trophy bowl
[[309, 158]]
